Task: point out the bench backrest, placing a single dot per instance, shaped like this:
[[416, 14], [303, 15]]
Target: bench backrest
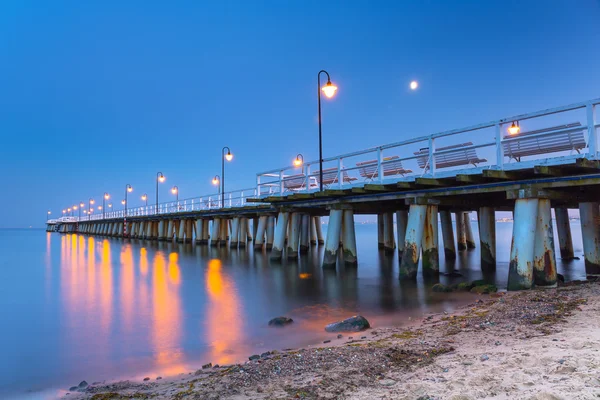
[[294, 181], [369, 168], [330, 175], [566, 137], [459, 156]]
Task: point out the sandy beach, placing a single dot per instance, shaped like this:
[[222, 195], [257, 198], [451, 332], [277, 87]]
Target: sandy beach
[[538, 344]]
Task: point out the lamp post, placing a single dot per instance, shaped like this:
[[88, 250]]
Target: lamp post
[[224, 157], [81, 205], [64, 212], [69, 211], [514, 128], [145, 198], [329, 89], [110, 205], [216, 180], [90, 202], [104, 198], [299, 160], [128, 189], [159, 178], [175, 191], [48, 215]]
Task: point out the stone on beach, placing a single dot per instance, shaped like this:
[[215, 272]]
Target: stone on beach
[[353, 324], [280, 321]]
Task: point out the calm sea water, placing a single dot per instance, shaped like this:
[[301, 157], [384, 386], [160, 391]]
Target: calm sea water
[[74, 307]]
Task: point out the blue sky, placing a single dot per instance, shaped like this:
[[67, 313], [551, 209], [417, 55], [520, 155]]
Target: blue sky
[[95, 95]]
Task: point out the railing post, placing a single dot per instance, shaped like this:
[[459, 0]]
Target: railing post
[[281, 183], [258, 183], [432, 156], [340, 177], [307, 177], [379, 160], [230, 200], [209, 202], [499, 147], [592, 136]]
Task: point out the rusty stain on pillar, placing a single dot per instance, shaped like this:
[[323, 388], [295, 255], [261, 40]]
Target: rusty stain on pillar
[[487, 236], [448, 235], [544, 259], [461, 234], [294, 236], [409, 264], [401, 221], [563, 227], [520, 269], [468, 231], [304, 231], [590, 232], [349, 251], [431, 255], [280, 233], [333, 238]]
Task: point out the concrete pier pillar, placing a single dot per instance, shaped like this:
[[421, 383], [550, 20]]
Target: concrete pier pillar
[[249, 234], [448, 235], [199, 230], [319, 229], [261, 227], [565, 240], [520, 269], [294, 236], [431, 255], [280, 233], [189, 227], [255, 222], [161, 230], [205, 232], [216, 230], [401, 221], [235, 232], [244, 227], [270, 232], [333, 238], [142, 230], [304, 233], [224, 233], [590, 232], [487, 236], [313, 231], [149, 230], [389, 243], [469, 231], [349, 238], [170, 226], [544, 259], [380, 231], [180, 231], [461, 234], [409, 264]]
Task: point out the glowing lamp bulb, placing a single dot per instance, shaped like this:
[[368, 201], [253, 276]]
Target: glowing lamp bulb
[[161, 178], [130, 189], [144, 197], [297, 162], [174, 190], [215, 181], [107, 196], [123, 202], [229, 156], [414, 85], [329, 89], [514, 128]]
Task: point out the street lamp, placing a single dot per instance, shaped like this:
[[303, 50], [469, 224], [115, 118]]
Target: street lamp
[[514, 128], [48, 215], [175, 191], [69, 211], [145, 198], [128, 189], [64, 212], [215, 181], [227, 157], [104, 198], [299, 160], [159, 178], [78, 211], [90, 202], [329, 90]]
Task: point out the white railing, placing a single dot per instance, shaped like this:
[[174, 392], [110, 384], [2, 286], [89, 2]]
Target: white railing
[[437, 155]]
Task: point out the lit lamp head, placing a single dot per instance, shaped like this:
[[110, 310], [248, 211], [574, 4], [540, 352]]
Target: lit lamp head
[[174, 190], [129, 188], [299, 160], [514, 128], [329, 89], [144, 197], [123, 202], [106, 196], [74, 207], [92, 201], [99, 207], [215, 180], [81, 204], [64, 211], [68, 209], [109, 205], [228, 156], [161, 177], [49, 213]]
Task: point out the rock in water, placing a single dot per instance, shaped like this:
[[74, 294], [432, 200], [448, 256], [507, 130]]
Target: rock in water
[[353, 324], [280, 321]]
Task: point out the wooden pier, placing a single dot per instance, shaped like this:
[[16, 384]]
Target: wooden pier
[[526, 173]]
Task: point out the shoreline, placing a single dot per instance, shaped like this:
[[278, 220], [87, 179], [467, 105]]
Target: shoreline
[[513, 345]]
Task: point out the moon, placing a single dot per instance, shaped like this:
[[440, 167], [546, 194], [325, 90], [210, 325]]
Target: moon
[[414, 85]]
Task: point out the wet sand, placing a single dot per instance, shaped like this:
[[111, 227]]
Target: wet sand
[[538, 344]]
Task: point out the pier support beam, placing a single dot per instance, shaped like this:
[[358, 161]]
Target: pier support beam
[[189, 228], [409, 264], [349, 238], [235, 233], [461, 234], [280, 233], [401, 222], [161, 230], [255, 222], [319, 229], [431, 255], [270, 232], [380, 231], [487, 236], [448, 235], [244, 227], [389, 243], [590, 232], [224, 232], [565, 240], [170, 228], [205, 232], [304, 232], [313, 231], [333, 238], [260, 232], [294, 236], [249, 235], [544, 259], [199, 231], [468, 231], [181, 231], [520, 269], [216, 231]]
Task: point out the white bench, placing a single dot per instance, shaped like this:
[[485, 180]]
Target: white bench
[[566, 137], [451, 156], [391, 166], [330, 176]]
